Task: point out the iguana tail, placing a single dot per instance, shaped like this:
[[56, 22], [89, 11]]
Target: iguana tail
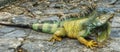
[[43, 27], [13, 25]]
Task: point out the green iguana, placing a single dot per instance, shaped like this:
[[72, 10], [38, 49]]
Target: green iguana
[[75, 28]]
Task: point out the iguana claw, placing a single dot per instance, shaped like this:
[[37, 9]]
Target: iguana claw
[[91, 44], [54, 38]]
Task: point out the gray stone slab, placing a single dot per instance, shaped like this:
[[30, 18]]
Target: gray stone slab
[[10, 42], [36, 46], [116, 20], [16, 33], [39, 36], [52, 11], [5, 29], [115, 33], [68, 50], [23, 20], [2, 49], [4, 2], [115, 46]]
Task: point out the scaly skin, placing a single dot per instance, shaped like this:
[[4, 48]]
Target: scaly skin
[[76, 29]]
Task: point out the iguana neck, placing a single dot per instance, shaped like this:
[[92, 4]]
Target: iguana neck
[[92, 22], [92, 16]]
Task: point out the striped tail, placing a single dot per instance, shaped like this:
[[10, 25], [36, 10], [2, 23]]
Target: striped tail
[[43, 27], [46, 27]]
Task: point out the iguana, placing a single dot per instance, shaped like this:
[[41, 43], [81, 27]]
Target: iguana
[[74, 28]]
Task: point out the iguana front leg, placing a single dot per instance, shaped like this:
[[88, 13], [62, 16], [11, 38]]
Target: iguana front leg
[[58, 34], [82, 40], [90, 43]]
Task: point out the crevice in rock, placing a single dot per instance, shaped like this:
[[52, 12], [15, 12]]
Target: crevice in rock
[[19, 48]]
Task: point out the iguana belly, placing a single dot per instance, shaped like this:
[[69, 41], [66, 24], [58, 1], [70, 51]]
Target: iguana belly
[[73, 28]]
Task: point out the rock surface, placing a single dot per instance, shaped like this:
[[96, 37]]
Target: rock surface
[[13, 38]]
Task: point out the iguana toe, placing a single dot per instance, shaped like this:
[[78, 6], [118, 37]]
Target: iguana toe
[[53, 39], [91, 44], [59, 39]]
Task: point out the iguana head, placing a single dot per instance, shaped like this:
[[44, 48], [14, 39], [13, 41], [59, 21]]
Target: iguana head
[[102, 19]]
